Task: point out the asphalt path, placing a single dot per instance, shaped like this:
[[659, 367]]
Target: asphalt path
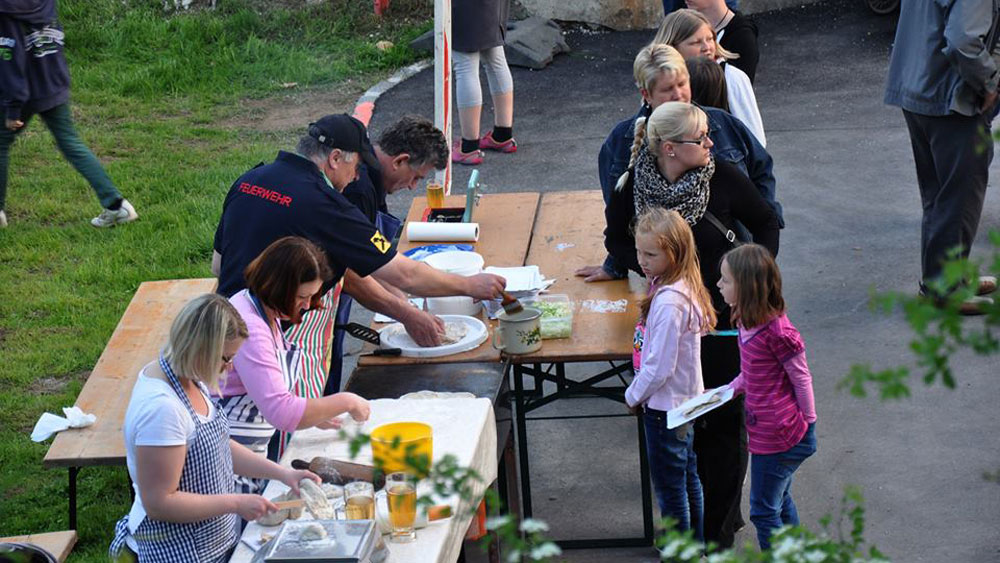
[[846, 178]]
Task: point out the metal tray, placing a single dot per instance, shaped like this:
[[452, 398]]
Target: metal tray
[[347, 541]]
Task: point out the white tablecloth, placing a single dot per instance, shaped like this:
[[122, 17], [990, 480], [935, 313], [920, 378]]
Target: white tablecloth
[[465, 428]]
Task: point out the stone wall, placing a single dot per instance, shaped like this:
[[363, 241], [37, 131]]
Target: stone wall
[[624, 14]]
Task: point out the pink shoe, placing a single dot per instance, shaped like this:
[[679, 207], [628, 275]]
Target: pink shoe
[[467, 158], [487, 143]]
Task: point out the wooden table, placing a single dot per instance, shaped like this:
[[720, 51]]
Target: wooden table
[[59, 544], [463, 428], [136, 341], [505, 223], [569, 234]]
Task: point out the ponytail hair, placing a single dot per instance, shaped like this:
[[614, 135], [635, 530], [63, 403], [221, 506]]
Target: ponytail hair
[[758, 285], [675, 238]]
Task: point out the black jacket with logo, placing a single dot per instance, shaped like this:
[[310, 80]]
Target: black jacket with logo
[[33, 72]]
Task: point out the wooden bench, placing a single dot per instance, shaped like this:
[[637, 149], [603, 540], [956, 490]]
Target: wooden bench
[[59, 544], [136, 341]]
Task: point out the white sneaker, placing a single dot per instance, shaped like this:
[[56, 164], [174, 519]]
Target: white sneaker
[[109, 218], [3, 219]]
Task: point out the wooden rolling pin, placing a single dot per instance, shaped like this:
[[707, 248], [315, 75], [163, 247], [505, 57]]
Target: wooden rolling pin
[[339, 472]]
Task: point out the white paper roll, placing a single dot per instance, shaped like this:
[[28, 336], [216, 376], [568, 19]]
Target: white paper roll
[[442, 232]]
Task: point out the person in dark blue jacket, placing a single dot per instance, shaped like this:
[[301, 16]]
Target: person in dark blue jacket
[[34, 79], [662, 76]]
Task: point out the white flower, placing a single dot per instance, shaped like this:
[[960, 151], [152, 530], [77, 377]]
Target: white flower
[[671, 549], [531, 525], [514, 556], [692, 552], [494, 522], [547, 549], [815, 556]]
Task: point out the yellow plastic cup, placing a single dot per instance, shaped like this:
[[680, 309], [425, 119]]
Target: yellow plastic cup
[[403, 446]]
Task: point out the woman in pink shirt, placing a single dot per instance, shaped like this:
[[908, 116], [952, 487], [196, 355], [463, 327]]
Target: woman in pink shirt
[[257, 395], [774, 375], [667, 360]]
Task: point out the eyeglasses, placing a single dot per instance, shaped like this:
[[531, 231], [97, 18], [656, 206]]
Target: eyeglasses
[[703, 140]]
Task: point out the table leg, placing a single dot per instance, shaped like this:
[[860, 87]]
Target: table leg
[[73, 471], [647, 500], [522, 442]]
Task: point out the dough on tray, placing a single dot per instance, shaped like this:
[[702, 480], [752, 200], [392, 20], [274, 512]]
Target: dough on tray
[[312, 532]]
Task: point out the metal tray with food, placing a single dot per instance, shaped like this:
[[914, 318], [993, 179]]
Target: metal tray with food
[[321, 541]]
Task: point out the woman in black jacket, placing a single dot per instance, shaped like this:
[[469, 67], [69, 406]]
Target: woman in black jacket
[[672, 167]]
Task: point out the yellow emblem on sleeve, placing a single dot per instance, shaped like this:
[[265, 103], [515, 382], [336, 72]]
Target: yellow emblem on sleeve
[[380, 242]]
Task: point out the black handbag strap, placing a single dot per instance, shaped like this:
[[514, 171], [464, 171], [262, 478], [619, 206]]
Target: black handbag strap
[[726, 231]]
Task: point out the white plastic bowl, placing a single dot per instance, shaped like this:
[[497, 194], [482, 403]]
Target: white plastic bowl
[[458, 262]]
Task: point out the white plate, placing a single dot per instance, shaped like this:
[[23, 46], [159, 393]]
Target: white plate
[[394, 336], [686, 412]]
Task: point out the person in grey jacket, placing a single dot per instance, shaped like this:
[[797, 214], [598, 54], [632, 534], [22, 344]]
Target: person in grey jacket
[[943, 73]]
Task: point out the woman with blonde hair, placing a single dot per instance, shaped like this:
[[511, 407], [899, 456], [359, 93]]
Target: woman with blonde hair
[[178, 450], [671, 166], [692, 35], [661, 76]]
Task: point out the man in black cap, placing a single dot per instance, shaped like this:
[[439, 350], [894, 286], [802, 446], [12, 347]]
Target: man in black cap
[[299, 194]]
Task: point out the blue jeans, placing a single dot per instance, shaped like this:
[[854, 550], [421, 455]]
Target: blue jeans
[[771, 504], [674, 470]]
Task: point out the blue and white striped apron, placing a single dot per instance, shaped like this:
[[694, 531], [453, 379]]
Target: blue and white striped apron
[[208, 470], [246, 423]]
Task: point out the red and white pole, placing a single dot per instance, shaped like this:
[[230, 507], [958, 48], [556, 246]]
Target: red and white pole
[[442, 81]]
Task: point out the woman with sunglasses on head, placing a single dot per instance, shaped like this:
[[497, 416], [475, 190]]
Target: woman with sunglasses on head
[[257, 396], [692, 35], [671, 166], [178, 450]]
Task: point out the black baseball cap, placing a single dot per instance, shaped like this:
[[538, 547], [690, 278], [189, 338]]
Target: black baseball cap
[[346, 133]]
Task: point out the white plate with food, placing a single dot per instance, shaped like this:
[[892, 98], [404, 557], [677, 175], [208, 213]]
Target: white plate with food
[[697, 406], [462, 334]]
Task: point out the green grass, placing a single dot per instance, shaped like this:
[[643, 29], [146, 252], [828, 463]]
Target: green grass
[[150, 94]]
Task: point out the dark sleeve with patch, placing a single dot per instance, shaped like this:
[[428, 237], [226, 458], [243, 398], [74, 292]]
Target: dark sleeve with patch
[[350, 239]]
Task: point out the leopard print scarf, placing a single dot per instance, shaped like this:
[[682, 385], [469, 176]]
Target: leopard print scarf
[[688, 195]]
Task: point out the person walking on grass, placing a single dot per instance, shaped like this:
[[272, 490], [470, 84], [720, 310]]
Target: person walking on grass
[[34, 78]]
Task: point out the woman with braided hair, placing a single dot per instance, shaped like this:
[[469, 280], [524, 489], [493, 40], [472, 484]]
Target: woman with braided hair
[[662, 76], [671, 166]]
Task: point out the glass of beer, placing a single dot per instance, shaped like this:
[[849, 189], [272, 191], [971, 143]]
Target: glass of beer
[[435, 194], [359, 501], [401, 494]]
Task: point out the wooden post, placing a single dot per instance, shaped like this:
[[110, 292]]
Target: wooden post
[[442, 81]]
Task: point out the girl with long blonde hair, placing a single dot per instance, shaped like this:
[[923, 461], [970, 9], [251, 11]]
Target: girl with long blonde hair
[[666, 358]]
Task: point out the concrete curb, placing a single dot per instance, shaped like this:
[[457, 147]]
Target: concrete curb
[[365, 106]]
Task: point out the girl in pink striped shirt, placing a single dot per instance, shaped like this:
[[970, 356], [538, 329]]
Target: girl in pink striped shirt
[[667, 360], [774, 375]]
